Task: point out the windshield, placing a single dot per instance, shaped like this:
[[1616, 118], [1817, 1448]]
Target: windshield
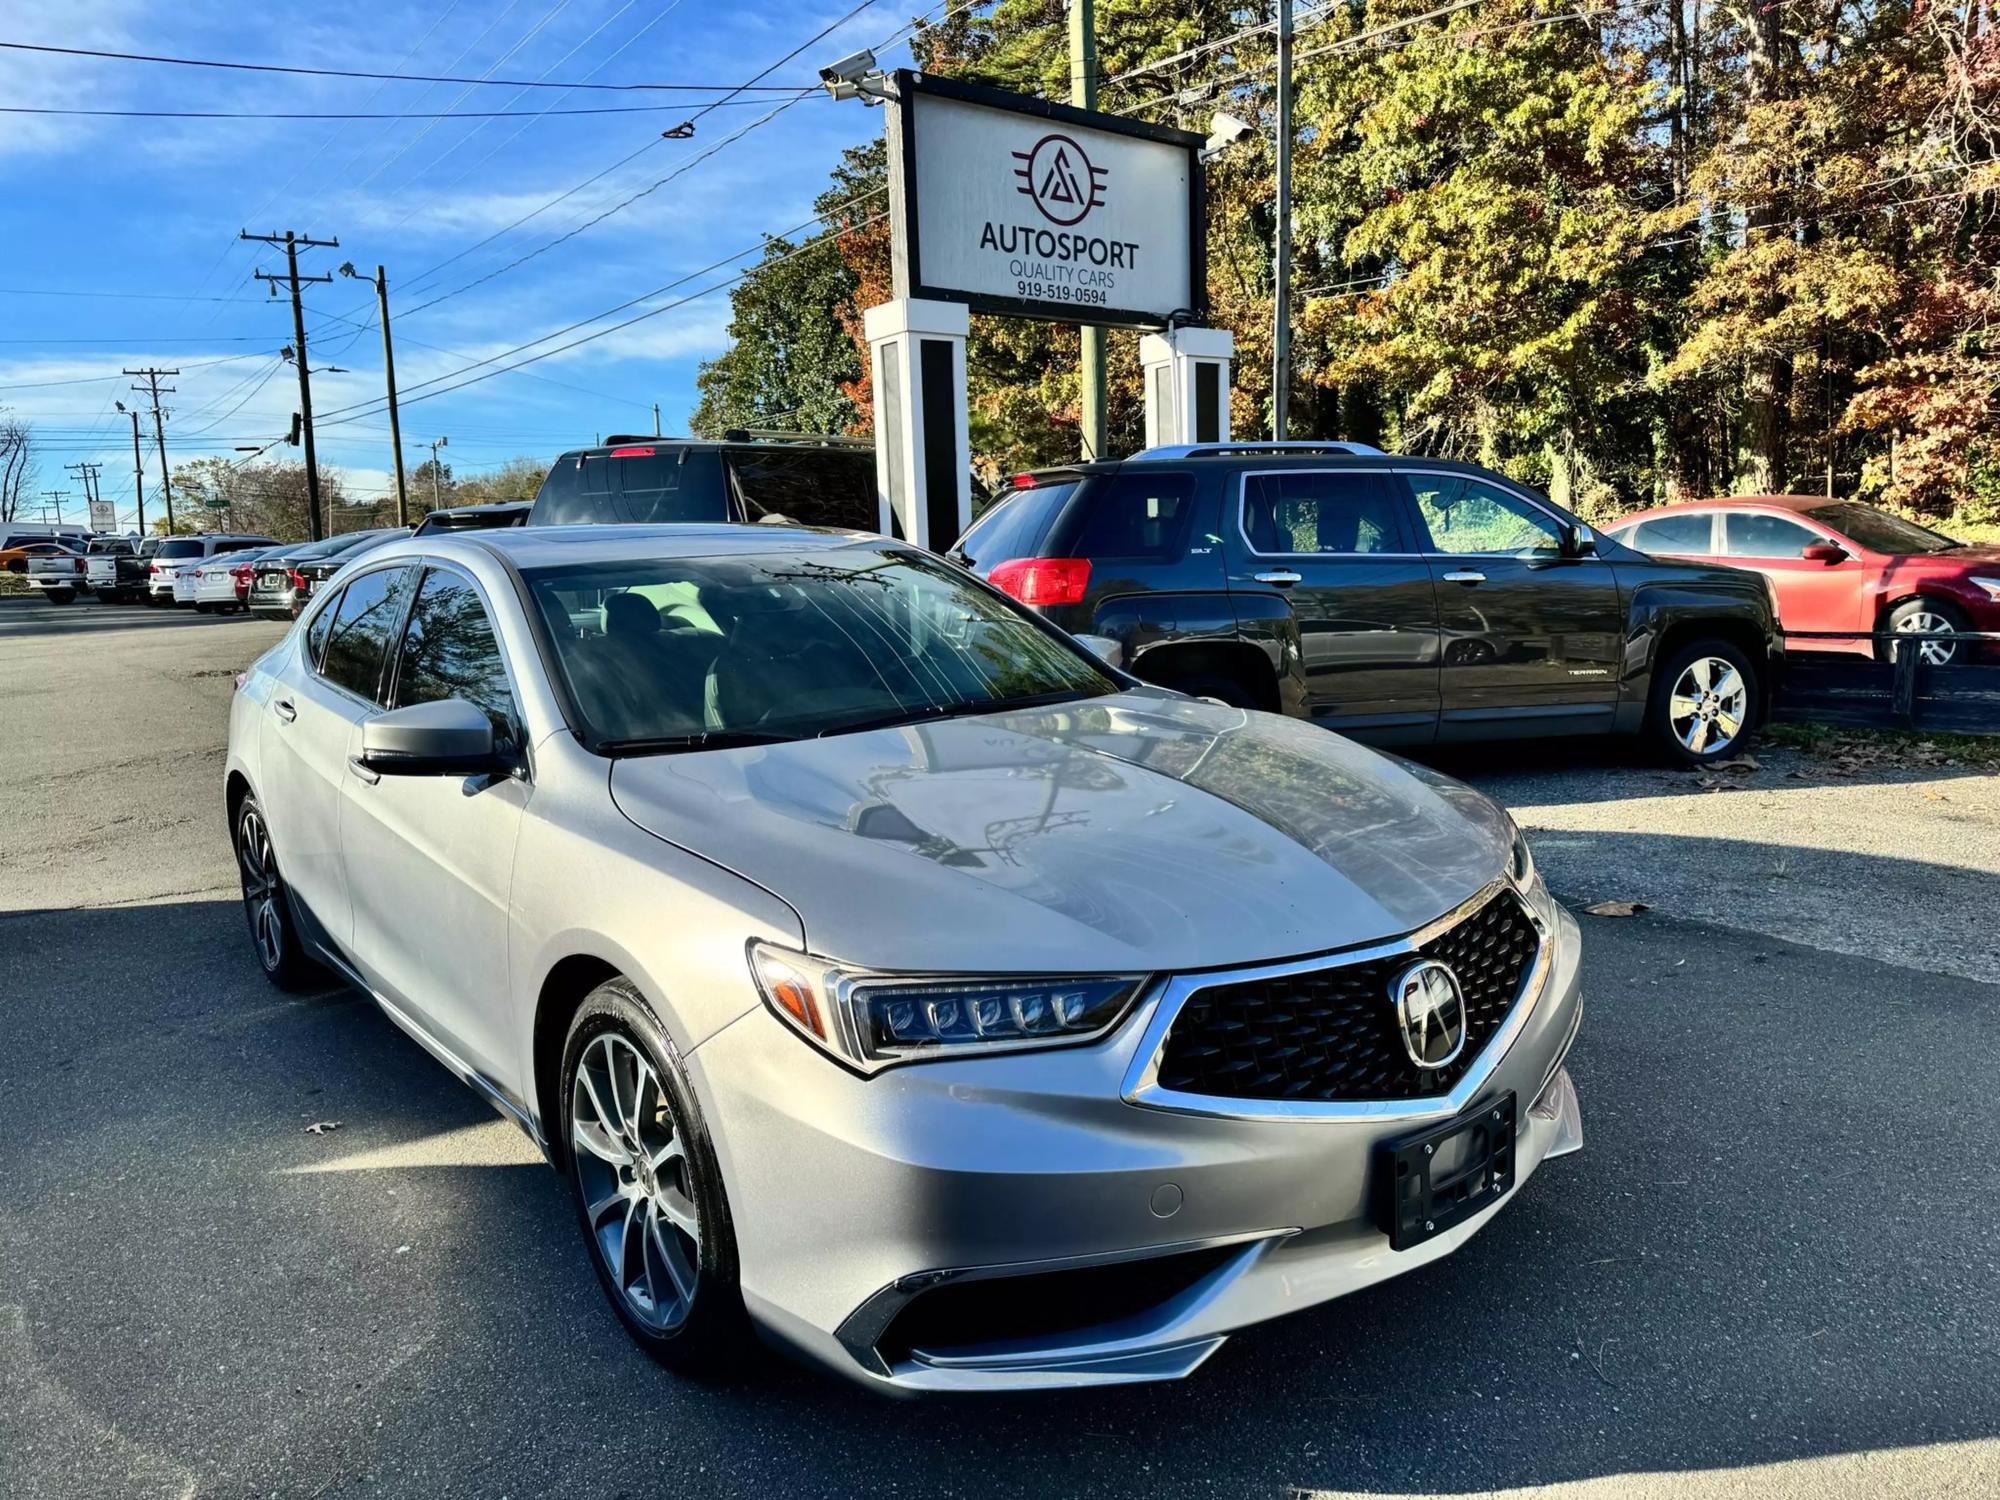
[[691, 653], [1879, 531]]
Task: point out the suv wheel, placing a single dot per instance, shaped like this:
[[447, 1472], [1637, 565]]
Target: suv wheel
[[1704, 703], [273, 934], [648, 1192]]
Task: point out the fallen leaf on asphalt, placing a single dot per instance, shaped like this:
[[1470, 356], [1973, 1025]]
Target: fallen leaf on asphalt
[[321, 1127], [1736, 763], [1616, 909]]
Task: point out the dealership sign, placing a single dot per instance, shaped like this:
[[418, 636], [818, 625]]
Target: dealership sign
[[1014, 205], [102, 516]]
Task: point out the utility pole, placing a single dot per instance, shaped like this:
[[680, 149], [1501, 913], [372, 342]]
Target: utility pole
[[395, 420], [152, 378], [656, 419], [1281, 260], [1083, 94], [88, 473], [56, 498], [437, 496], [138, 471], [292, 244]]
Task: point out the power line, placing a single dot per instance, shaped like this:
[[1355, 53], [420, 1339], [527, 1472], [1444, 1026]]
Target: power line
[[247, 67], [800, 92], [685, 127]]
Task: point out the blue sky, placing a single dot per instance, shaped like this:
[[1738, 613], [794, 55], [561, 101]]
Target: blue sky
[[149, 209]]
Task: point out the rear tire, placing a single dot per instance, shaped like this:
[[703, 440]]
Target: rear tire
[[1706, 700], [639, 1162], [274, 937]]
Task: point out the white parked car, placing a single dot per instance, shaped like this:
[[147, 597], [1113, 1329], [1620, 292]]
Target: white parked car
[[177, 552], [222, 584]]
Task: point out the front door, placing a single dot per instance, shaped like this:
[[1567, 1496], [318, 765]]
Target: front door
[[1337, 545], [1532, 638], [1815, 596], [430, 859]]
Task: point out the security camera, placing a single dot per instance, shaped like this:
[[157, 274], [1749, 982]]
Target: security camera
[[850, 69], [1225, 131], [855, 76]]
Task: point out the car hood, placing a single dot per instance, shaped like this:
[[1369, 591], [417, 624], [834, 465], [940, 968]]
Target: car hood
[[1142, 831]]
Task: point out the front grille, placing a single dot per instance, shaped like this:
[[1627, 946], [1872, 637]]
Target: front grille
[[1331, 1033]]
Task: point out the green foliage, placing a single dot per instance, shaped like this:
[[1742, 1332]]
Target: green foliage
[[1628, 254]]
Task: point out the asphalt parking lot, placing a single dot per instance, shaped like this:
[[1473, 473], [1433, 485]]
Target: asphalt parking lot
[[1772, 1270]]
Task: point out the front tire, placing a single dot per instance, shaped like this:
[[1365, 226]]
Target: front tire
[[1705, 702], [647, 1189], [273, 934], [1926, 617]]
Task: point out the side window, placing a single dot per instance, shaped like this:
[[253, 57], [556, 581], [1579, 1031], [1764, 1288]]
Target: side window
[[1139, 514], [1686, 535], [1471, 518], [1321, 512], [812, 486], [449, 651], [316, 633], [1751, 534], [370, 609]]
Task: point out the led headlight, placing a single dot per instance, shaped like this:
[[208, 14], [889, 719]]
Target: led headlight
[[871, 1020]]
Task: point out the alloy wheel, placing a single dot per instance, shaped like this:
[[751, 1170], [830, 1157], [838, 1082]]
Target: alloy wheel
[[1707, 707], [261, 890], [1925, 622], [632, 1164]]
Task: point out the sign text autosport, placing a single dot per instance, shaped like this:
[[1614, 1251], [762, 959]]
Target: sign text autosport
[[1015, 205]]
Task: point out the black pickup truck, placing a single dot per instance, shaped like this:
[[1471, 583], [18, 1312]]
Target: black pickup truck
[[1402, 601]]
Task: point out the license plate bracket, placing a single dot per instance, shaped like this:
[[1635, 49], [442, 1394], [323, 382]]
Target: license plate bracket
[[1438, 1178]]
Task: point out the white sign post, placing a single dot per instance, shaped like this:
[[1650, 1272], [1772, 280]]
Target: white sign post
[[1012, 204]]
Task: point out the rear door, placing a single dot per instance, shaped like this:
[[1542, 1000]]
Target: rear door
[[1532, 639], [433, 855], [1337, 545], [1811, 595]]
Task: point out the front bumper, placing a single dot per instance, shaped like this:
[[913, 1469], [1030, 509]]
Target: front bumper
[[1158, 1232]]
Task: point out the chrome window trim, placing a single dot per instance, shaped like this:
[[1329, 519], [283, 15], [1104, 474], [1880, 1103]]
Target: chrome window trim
[[1518, 494], [1243, 504], [1141, 1085]]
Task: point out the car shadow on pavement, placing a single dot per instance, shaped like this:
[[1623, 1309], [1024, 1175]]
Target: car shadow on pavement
[[1772, 1247], [22, 619]]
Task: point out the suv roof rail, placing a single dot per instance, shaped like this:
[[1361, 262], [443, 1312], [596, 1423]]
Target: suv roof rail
[[1306, 448], [780, 435]]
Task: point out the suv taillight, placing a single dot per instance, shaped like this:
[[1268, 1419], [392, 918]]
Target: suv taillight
[[298, 580], [1042, 580]]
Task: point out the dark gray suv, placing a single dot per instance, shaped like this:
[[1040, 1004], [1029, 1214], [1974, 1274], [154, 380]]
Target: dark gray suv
[[1404, 601]]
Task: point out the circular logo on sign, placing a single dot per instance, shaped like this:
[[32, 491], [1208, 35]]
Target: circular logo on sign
[[1060, 179]]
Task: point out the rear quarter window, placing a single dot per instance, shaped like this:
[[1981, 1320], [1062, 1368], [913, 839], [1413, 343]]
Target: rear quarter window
[[811, 486], [1013, 527]]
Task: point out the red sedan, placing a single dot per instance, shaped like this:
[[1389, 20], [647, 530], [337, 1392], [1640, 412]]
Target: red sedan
[[1836, 565]]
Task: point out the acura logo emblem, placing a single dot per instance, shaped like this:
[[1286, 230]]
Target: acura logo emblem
[[1430, 1009]]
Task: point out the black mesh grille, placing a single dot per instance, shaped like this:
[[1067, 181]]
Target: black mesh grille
[[1332, 1033]]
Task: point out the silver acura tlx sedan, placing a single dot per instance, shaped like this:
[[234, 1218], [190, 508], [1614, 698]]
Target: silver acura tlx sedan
[[884, 971]]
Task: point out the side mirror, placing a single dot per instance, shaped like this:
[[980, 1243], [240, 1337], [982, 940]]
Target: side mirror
[[1579, 540], [1106, 649], [447, 738], [1823, 552]]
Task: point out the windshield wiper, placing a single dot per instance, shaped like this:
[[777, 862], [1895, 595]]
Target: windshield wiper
[[708, 739]]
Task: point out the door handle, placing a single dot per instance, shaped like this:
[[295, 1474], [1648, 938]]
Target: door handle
[[359, 768], [1283, 580], [285, 710], [1465, 575]]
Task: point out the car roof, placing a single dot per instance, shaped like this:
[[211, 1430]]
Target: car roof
[[557, 546], [1795, 503]]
